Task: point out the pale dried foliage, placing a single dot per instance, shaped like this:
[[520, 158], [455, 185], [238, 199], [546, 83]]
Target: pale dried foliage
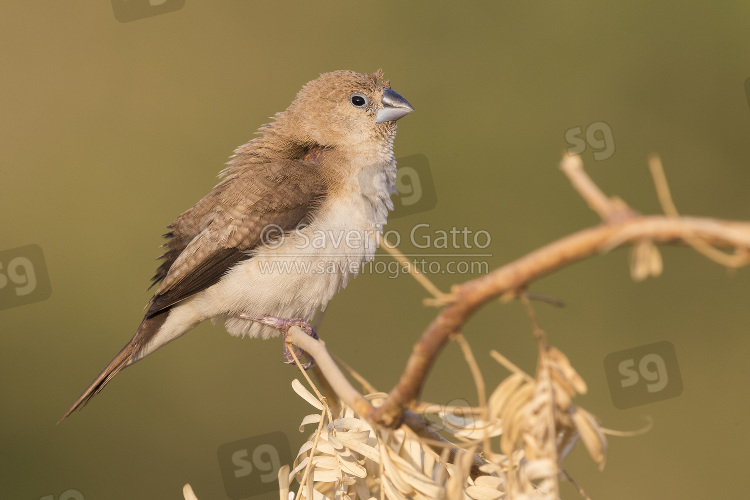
[[520, 436]]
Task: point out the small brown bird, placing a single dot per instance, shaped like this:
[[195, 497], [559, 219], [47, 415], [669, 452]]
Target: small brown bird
[[296, 214]]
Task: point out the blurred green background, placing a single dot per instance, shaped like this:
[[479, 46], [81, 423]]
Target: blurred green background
[[111, 129]]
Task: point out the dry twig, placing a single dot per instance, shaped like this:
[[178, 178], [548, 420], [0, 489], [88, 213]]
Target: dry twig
[[621, 226]]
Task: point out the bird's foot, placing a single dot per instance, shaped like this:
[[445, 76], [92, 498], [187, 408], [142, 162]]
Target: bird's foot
[[306, 361]]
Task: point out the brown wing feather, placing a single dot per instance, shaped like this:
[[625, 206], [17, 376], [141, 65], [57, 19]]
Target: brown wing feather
[[222, 229]]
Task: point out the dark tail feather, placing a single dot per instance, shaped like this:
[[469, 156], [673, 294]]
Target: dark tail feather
[[104, 377], [146, 331]]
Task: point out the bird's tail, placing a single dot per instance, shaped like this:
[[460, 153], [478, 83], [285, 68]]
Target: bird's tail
[[117, 364], [123, 358]]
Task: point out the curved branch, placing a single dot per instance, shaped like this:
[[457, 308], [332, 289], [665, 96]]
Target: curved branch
[[469, 296], [317, 349]]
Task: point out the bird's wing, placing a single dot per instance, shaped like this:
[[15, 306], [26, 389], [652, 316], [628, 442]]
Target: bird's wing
[[221, 229]]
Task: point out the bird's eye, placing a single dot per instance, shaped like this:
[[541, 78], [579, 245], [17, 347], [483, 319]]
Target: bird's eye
[[358, 100]]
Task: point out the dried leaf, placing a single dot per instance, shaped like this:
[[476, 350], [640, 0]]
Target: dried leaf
[[283, 483], [591, 435], [187, 492], [313, 418], [306, 395]]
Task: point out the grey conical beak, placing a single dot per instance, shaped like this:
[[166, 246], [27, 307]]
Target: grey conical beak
[[394, 107]]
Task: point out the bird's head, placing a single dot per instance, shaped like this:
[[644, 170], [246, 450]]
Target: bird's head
[[345, 109]]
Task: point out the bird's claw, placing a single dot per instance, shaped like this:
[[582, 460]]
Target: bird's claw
[[305, 360]]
